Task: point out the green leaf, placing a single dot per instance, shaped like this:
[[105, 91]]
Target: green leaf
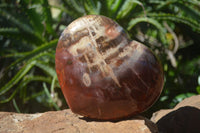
[[75, 8], [198, 89], [38, 50], [53, 83], [33, 16], [110, 2], [182, 96], [114, 7], [17, 77], [49, 96], [72, 13], [34, 95], [16, 106], [135, 21], [199, 79], [127, 7], [92, 7], [45, 67], [15, 21], [10, 32], [188, 11], [26, 80], [48, 17], [23, 28], [163, 4], [179, 19], [16, 34]]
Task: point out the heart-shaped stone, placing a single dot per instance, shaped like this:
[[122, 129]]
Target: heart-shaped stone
[[103, 74]]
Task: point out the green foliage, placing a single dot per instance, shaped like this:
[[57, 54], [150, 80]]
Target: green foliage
[[29, 41], [29, 31]]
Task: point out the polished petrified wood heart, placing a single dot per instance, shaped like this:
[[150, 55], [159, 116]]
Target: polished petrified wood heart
[[103, 74]]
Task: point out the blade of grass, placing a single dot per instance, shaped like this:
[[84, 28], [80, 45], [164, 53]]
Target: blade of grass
[[49, 96], [24, 28], [17, 77], [53, 84], [16, 107], [45, 67], [24, 83], [127, 7], [33, 96], [35, 52], [92, 7], [114, 7], [135, 21], [47, 17], [179, 19]]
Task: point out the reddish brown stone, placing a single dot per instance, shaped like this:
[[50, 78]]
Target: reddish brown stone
[[102, 74]]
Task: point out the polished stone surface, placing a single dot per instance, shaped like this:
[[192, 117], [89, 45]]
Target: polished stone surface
[[104, 75]]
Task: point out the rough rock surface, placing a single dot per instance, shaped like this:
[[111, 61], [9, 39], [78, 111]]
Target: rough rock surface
[[184, 118], [67, 122]]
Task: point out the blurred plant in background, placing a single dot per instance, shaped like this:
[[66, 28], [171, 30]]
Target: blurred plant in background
[[29, 31]]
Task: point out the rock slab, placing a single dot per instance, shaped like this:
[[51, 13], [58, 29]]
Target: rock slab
[[67, 122], [184, 118]]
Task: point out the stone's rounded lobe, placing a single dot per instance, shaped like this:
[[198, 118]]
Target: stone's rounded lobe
[[104, 75]]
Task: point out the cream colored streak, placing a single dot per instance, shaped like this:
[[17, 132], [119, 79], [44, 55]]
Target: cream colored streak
[[105, 68], [87, 60]]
